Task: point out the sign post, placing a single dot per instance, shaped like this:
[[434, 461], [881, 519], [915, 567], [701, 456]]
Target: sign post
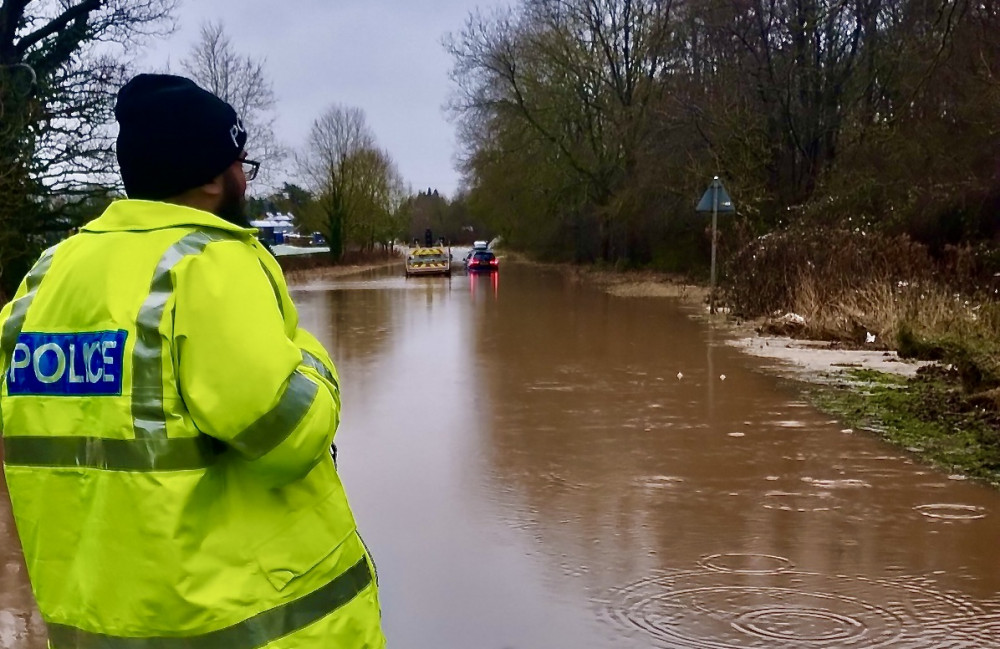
[[714, 200]]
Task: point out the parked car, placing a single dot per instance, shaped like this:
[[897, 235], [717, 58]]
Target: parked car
[[428, 261], [482, 261]]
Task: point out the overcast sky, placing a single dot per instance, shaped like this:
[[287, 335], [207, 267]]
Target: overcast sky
[[383, 56]]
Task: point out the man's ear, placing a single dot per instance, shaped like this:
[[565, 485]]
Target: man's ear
[[215, 187]]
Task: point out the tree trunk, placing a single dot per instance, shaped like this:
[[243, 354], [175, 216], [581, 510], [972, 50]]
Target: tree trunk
[[336, 241]]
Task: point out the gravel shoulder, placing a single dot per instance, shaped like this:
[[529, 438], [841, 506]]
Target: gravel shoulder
[[821, 362]]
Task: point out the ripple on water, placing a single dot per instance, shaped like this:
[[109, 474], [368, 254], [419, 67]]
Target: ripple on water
[[549, 386], [658, 481], [849, 483], [951, 512], [807, 624], [792, 501], [883, 472], [746, 564], [787, 609]]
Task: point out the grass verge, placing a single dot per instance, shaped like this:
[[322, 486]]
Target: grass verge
[[929, 415]]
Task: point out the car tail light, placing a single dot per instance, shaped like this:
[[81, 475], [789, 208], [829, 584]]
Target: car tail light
[[494, 262]]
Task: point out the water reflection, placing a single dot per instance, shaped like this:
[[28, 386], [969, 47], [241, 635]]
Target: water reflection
[[484, 283], [361, 307]]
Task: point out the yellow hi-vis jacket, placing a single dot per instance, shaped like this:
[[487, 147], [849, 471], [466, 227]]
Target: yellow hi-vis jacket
[[166, 436]]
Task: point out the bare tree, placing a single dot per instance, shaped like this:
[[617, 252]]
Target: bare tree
[[337, 135], [358, 188], [59, 72], [242, 81]]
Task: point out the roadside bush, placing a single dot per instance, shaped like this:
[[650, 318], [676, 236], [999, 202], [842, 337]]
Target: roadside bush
[[877, 290], [817, 267]]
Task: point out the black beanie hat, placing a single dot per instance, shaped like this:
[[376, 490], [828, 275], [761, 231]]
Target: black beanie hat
[[173, 136]]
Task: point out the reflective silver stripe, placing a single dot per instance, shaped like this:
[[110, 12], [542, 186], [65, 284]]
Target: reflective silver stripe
[[178, 454], [310, 360], [19, 310], [148, 418], [275, 425], [251, 633]]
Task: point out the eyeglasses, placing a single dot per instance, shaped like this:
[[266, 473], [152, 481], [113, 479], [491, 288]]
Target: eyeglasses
[[250, 168]]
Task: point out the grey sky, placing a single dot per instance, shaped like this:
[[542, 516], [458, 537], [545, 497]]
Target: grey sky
[[383, 56]]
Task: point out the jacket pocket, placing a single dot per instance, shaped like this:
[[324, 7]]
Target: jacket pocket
[[309, 541]]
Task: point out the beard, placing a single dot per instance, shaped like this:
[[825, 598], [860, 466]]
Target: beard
[[232, 207]]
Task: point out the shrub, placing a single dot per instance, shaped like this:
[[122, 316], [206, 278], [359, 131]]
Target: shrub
[[851, 284]]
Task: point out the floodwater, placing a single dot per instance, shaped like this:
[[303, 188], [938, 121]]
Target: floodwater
[[537, 465]]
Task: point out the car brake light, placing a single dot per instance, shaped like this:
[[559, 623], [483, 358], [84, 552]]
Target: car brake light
[[494, 262]]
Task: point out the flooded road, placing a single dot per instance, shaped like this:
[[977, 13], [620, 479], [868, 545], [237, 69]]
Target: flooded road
[[537, 465]]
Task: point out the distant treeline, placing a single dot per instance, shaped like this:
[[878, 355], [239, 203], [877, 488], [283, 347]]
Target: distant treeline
[[592, 127]]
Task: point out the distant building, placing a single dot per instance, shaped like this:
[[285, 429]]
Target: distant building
[[274, 227]]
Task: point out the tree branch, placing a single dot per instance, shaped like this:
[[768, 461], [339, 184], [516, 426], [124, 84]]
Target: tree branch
[[82, 10]]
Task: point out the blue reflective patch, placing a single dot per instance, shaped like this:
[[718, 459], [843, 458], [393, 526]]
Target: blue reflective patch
[[77, 364]]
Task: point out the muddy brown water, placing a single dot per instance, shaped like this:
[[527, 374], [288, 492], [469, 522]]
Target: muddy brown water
[[536, 464]]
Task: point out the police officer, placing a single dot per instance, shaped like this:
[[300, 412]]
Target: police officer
[[165, 421]]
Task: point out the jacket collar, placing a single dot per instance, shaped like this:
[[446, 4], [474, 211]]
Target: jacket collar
[[137, 215]]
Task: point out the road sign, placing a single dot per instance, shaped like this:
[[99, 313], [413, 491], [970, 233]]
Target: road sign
[[715, 198]]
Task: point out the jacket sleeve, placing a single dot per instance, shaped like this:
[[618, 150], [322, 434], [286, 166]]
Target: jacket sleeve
[[4, 316], [271, 398], [5, 332]]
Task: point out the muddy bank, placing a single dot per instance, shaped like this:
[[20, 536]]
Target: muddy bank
[[319, 273], [644, 283]]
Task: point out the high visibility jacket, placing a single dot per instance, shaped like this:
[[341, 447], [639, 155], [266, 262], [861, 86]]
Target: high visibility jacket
[[166, 435]]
